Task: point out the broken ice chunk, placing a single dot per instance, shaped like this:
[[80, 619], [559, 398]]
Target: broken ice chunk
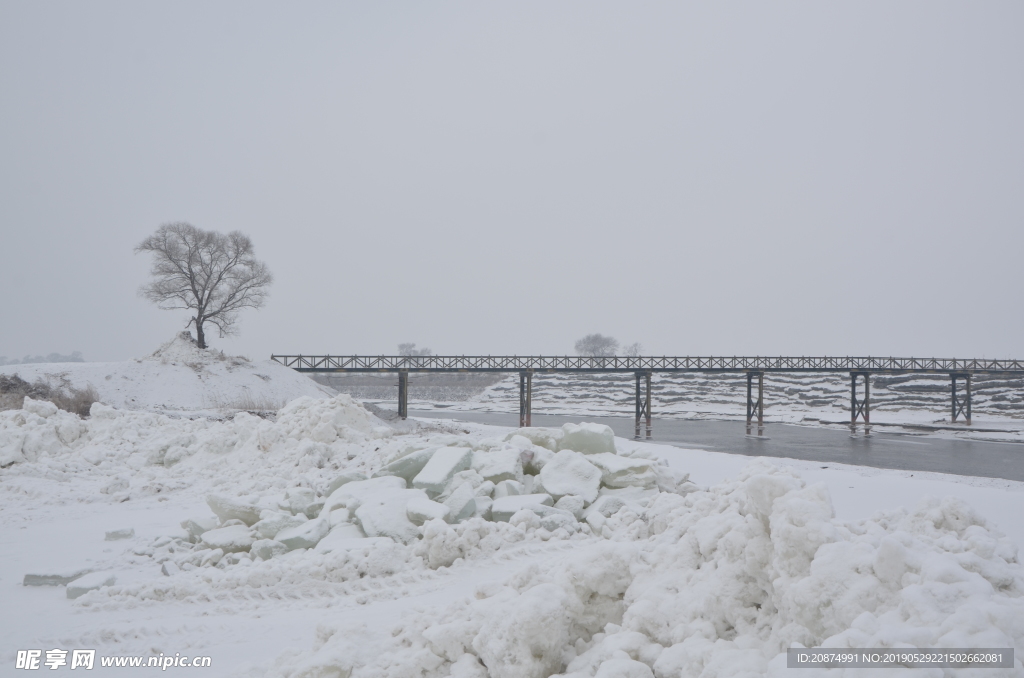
[[90, 582], [571, 503], [343, 479], [229, 539], [499, 465], [226, 509], [55, 578], [462, 503], [267, 548], [196, 526], [304, 536], [619, 471], [420, 509], [385, 515], [299, 499], [271, 522], [504, 508], [508, 488], [443, 464], [587, 438], [571, 473], [409, 466]]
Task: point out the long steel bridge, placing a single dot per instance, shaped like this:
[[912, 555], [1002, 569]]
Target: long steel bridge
[[860, 369]]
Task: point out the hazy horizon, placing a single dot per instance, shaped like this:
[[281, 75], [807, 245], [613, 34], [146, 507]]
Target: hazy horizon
[[741, 179]]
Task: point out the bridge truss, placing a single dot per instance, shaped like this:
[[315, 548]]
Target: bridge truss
[[643, 367]]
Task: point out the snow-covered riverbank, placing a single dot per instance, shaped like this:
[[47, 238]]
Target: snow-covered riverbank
[[479, 550]]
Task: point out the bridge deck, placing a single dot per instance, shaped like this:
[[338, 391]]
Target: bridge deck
[[541, 364]]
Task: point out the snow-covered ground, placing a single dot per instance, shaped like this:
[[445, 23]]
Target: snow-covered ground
[[324, 542], [180, 379]]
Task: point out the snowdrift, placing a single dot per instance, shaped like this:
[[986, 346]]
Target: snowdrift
[[181, 378], [645, 573]]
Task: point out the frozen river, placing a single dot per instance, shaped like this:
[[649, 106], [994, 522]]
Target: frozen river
[[880, 449]]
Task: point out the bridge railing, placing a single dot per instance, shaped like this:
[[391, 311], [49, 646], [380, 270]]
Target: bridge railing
[[455, 363]]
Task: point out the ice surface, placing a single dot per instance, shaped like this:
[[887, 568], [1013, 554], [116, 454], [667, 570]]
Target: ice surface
[[271, 522], [508, 487], [384, 514], [461, 503], [304, 536], [420, 510], [443, 464], [499, 465], [571, 503], [352, 494], [542, 437], [409, 466], [571, 473], [229, 539], [197, 526], [342, 479], [619, 471], [587, 438]]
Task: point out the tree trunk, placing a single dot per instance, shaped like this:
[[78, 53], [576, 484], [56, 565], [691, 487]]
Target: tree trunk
[[200, 336]]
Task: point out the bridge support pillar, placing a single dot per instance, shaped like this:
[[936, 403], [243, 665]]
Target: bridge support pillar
[[860, 409], [643, 403], [525, 398], [961, 407], [755, 406], [403, 394]]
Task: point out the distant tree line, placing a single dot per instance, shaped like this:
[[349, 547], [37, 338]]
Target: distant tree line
[[410, 349], [598, 345], [592, 345]]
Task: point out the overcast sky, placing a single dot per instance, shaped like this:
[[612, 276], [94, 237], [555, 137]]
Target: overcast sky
[[706, 178]]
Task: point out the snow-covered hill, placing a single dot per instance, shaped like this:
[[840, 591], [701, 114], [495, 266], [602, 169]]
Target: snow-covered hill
[[180, 378]]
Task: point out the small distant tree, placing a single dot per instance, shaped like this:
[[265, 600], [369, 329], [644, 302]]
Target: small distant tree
[[410, 349], [211, 274], [597, 345], [634, 350]]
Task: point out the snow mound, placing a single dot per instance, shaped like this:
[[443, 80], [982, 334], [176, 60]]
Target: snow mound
[[181, 378], [116, 454], [715, 583]]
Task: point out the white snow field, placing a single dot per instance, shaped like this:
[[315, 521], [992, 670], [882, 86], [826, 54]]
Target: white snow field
[[180, 378], [324, 543]]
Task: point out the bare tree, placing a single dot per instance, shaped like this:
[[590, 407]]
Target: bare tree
[[410, 349], [634, 350], [212, 274], [597, 345]]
